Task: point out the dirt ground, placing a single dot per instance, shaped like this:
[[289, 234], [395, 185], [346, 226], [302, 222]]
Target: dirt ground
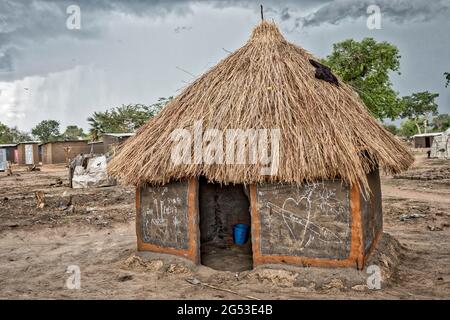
[[95, 231]]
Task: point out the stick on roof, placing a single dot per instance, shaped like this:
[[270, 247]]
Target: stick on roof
[[326, 131]]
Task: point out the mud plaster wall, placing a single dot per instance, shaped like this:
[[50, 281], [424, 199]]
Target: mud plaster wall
[[54, 152], [21, 153], [312, 220], [371, 211], [9, 153], [97, 148], [221, 207], [164, 215], [109, 142], [420, 142]]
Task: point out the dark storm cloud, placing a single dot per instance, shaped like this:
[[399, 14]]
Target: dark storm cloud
[[6, 64], [129, 50], [396, 10], [25, 24]]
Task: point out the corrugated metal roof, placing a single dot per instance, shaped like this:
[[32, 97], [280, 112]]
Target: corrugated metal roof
[[62, 141], [29, 142], [431, 134], [118, 135]]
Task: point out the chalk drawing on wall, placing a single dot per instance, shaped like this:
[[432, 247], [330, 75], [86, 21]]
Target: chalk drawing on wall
[[303, 219], [164, 216]]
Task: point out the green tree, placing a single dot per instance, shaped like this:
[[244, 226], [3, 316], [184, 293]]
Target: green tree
[[408, 128], [441, 122], [392, 128], [366, 66], [46, 130], [19, 136], [73, 132], [12, 135], [5, 134], [126, 118], [418, 108], [158, 105], [447, 78]]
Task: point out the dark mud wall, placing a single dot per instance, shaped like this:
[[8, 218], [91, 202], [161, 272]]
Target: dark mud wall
[[312, 220], [164, 215], [371, 211]]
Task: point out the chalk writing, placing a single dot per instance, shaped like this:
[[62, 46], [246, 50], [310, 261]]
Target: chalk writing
[[312, 219], [164, 215]]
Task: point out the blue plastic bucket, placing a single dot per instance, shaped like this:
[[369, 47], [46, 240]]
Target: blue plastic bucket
[[240, 233]]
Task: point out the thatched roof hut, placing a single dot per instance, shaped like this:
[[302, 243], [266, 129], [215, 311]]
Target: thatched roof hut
[[314, 209], [326, 131]]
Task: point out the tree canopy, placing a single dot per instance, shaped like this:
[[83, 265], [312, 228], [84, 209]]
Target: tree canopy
[[418, 107], [408, 128], [392, 128], [126, 118], [12, 135], [441, 122], [73, 132], [366, 66], [46, 130]]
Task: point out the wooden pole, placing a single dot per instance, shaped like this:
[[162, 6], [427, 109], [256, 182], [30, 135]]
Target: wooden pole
[[262, 13]]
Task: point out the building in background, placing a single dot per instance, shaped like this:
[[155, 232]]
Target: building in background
[[28, 153], [7, 154], [9, 150], [96, 147], [424, 140], [440, 148], [54, 152], [112, 140]]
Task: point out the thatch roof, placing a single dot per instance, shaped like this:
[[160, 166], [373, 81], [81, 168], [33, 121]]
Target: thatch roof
[[326, 131]]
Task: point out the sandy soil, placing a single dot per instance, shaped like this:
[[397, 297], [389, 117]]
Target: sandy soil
[[97, 234]]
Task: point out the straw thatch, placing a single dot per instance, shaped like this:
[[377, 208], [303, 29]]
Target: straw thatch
[[326, 131]]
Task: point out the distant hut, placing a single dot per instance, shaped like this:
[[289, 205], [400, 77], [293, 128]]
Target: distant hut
[[111, 141], [9, 150], [54, 152], [440, 148], [424, 140], [6, 155], [308, 183], [28, 153], [96, 147]]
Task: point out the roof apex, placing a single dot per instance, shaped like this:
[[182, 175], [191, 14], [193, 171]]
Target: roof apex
[[325, 130]]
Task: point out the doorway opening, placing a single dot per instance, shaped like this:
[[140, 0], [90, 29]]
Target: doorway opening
[[427, 142], [221, 208]]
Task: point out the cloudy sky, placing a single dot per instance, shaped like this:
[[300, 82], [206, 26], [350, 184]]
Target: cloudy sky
[[134, 51]]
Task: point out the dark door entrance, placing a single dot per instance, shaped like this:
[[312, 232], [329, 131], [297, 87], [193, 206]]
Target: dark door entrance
[[221, 207]]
